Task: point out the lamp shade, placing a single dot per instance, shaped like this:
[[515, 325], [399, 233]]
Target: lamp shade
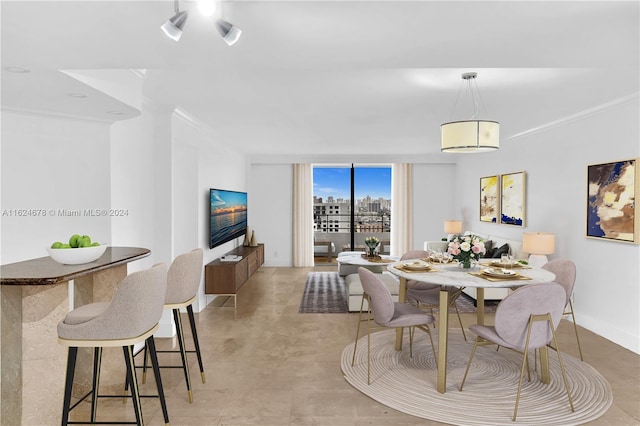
[[173, 27], [470, 136], [538, 243], [453, 226]]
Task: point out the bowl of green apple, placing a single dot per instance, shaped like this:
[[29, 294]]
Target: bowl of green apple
[[79, 250]]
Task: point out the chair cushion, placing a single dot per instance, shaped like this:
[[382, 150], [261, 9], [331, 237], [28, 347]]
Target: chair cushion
[[489, 333], [405, 315], [85, 313]]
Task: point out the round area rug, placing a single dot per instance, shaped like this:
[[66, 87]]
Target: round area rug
[[409, 384]]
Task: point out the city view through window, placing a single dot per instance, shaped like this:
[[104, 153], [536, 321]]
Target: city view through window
[[332, 205]]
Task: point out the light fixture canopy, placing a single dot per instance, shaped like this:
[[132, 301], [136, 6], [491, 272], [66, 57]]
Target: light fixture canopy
[[229, 32], [173, 26], [538, 245], [470, 136]]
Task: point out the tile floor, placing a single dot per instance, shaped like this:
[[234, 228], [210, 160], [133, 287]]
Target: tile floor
[[266, 364]]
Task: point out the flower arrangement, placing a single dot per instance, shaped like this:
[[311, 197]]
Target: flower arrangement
[[371, 243], [465, 248]]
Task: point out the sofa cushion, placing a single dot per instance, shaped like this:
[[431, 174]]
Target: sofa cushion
[[488, 246], [503, 249]]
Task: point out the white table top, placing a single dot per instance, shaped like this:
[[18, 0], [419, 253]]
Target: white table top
[[359, 260], [454, 276]]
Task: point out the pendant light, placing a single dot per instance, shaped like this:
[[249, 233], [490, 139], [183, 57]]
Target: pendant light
[[470, 136]]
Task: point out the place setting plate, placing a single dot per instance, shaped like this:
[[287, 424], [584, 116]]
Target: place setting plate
[[499, 273], [500, 264], [415, 267]]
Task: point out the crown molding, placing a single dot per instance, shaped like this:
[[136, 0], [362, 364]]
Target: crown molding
[[577, 116], [51, 114]]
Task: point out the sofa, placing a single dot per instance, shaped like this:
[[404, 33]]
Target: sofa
[[345, 269], [496, 245]]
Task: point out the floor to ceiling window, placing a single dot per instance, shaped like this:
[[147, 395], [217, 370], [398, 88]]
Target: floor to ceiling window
[[351, 202]]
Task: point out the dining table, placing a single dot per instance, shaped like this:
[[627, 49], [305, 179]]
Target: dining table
[[487, 274]]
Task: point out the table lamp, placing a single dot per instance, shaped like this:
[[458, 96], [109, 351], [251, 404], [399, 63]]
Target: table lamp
[[452, 227], [538, 245]]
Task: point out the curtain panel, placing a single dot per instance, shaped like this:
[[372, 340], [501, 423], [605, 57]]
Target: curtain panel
[[302, 215], [401, 209]]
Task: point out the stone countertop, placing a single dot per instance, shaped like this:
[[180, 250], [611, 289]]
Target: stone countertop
[[46, 271]]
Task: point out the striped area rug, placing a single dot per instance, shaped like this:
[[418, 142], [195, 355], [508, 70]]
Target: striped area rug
[[324, 293]]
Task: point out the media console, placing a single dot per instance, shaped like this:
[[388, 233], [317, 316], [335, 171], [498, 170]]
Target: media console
[[226, 278]]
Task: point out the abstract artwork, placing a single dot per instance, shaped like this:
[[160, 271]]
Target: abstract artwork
[[612, 193], [489, 199], [512, 200]]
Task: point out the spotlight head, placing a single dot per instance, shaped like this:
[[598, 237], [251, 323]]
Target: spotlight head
[[229, 32], [173, 27]]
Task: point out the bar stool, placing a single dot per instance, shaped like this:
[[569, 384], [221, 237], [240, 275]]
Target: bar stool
[[131, 317], [183, 281]]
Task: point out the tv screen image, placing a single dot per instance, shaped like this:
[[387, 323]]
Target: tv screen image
[[228, 216]]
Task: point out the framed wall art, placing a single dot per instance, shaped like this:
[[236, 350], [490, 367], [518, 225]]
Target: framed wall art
[[512, 198], [612, 191], [489, 199]]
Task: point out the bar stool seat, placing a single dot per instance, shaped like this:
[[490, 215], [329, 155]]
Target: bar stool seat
[[131, 317], [183, 281]]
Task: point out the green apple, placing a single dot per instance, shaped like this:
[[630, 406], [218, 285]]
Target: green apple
[[65, 246], [95, 244], [84, 241], [73, 241], [56, 245]]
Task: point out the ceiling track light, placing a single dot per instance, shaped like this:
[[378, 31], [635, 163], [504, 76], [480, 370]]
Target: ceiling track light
[[229, 32], [469, 136], [173, 27]]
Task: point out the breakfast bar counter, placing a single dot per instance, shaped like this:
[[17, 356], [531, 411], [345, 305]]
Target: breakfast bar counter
[[34, 299]]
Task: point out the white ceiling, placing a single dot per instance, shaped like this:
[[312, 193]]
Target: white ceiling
[[346, 77]]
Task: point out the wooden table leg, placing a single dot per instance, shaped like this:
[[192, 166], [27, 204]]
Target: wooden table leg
[[443, 332], [402, 297]]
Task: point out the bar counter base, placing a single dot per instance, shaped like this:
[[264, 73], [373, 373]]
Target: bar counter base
[[33, 363]]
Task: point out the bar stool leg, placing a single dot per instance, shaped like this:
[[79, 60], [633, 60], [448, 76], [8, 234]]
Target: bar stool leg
[[97, 360], [68, 384], [151, 344], [144, 365], [192, 321], [183, 352], [133, 382]]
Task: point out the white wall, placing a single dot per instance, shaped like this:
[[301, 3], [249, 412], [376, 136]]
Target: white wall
[[132, 185], [433, 201], [606, 296], [52, 164], [271, 211]]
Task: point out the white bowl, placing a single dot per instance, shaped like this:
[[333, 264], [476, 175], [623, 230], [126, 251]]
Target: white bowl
[[76, 256]]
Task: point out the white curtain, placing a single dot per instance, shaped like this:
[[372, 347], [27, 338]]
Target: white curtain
[[401, 209], [302, 215]]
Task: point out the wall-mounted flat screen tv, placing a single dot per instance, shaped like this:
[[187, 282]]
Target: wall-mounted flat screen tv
[[228, 219]]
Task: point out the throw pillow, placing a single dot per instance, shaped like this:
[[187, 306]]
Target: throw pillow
[[488, 245], [504, 249]]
